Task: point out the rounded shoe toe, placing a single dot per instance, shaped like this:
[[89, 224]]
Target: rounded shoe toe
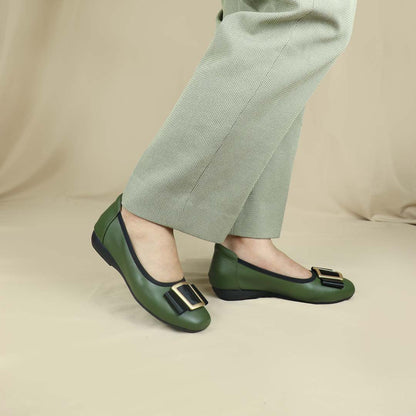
[[196, 320], [349, 288], [343, 294]]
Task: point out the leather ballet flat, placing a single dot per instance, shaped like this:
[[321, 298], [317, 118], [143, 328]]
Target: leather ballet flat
[[233, 278], [179, 304]]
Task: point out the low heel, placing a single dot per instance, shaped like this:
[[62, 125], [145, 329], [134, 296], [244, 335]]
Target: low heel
[[239, 294], [102, 251]]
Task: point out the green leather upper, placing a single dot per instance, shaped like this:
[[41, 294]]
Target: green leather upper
[[227, 273], [148, 293], [107, 217]]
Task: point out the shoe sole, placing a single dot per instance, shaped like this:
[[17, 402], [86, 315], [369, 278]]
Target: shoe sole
[[244, 294], [109, 259]]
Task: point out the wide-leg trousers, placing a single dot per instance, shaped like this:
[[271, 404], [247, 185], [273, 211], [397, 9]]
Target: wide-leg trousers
[[221, 163]]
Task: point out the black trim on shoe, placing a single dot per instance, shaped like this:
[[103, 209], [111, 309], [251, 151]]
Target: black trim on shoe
[[137, 261], [243, 294], [278, 275]]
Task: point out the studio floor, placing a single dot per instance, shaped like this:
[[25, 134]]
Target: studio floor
[[74, 341]]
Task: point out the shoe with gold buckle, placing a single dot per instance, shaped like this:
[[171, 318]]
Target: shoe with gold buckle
[[179, 304], [233, 278]]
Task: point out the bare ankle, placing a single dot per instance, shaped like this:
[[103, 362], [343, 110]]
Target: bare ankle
[[143, 224], [235, 241]]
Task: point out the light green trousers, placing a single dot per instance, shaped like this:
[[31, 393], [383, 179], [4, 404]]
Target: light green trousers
[[222, 161]]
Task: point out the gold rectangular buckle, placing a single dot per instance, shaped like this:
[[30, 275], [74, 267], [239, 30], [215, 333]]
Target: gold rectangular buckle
[[183, 298], [318, 270]]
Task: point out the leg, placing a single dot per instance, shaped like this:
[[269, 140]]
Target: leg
[[262, 214], [264, 62], [263, 211]]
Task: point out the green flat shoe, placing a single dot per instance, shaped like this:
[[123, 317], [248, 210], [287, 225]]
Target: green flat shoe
[[233, 278], [179, 304]]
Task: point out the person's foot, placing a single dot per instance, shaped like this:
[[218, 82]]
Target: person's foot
[[263, 253], [155, 247]]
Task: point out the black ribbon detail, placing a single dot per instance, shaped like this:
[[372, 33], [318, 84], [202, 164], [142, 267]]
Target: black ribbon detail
[[333, 283], [190, 292], [326, 279]]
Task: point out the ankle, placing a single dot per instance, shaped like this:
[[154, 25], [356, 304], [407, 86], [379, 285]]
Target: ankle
[[235, 242], [142, 226]]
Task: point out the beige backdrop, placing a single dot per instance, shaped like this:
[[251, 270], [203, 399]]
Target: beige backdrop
[[84, 87]]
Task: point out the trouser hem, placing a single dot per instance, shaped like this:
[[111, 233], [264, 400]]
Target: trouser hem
[[257, 234], [202, 222]]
